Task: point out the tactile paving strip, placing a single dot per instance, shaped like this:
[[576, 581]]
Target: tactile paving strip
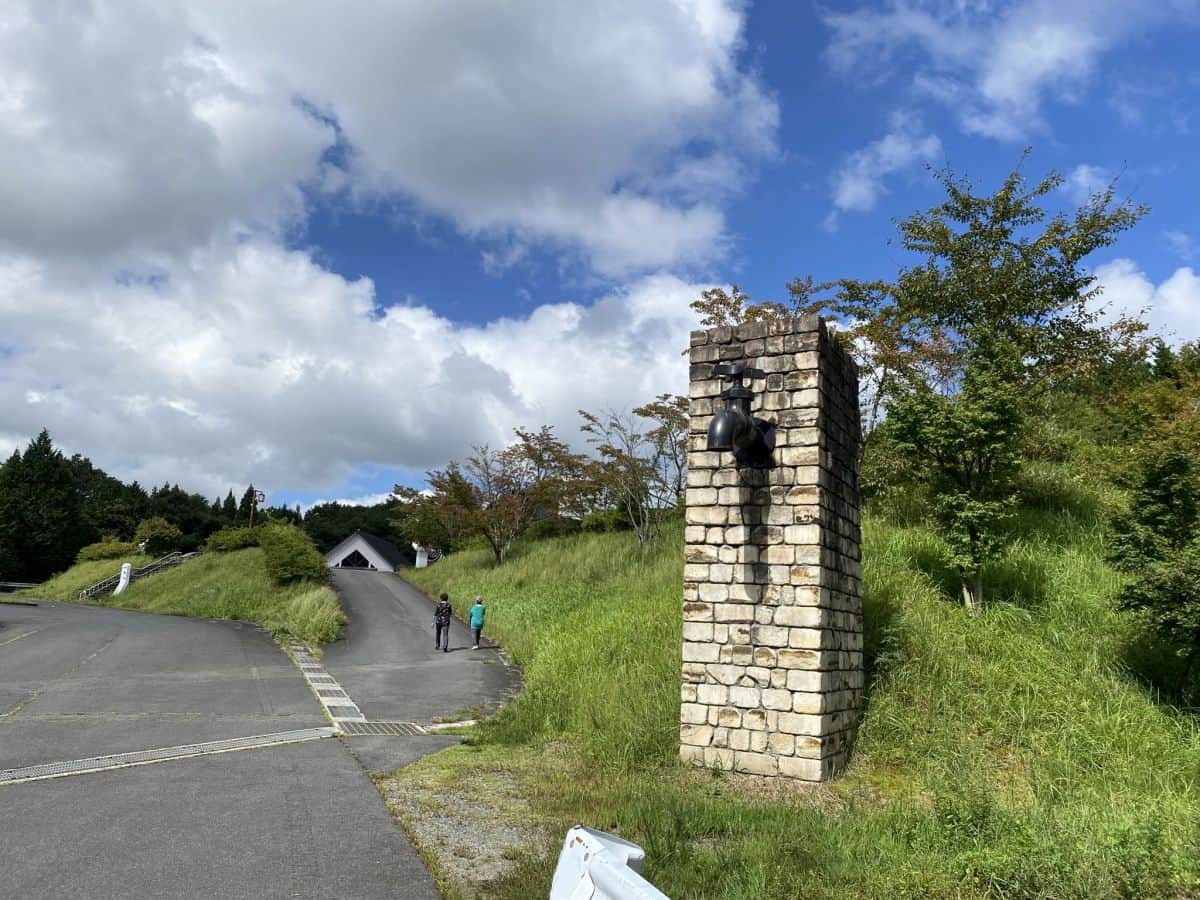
[[163, 754], [333, 698]]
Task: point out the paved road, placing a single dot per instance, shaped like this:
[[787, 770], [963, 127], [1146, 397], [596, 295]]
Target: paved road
[[386, 660], [298, 820]]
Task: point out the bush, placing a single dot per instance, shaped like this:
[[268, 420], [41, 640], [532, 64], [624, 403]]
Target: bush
[[290, 555], [159, 535], [603, 520], [551, 528], [228, 539], [106, 550]]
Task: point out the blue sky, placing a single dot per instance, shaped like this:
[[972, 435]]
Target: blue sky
[[329, 252]]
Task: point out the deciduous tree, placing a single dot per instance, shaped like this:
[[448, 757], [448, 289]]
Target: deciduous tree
[[498, 494], [997, 309], [642, 464]]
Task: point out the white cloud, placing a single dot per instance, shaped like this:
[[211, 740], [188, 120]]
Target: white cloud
[[1084, 181], [995, 67], [245, 362], [1171, 308], [1181, 243], [363, 500], [858, 182], [598, 129]]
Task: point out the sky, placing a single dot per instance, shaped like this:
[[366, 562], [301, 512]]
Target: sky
[[325, 248]]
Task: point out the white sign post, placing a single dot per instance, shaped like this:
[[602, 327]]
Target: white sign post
[[126, 572]]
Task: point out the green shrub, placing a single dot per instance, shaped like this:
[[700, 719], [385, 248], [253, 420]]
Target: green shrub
[[106, 550], [228, 539], [551, 528], [604, 520], [159, 535], [290, 555]]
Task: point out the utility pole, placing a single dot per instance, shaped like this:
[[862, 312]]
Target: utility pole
[[256, 498]]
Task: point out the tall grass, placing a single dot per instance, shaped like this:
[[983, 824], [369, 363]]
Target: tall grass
[[589, 618], [219, 586], [1006, 755]]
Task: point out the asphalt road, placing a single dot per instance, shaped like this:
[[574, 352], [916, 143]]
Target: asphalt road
[[297, 820], [387, 663]]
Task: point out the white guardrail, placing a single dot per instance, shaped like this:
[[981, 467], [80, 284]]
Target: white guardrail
[[598, 866]]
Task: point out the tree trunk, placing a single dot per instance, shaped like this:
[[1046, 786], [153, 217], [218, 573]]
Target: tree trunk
[[972, 590]]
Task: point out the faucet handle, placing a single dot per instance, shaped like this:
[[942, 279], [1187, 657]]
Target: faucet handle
[[736, 371]]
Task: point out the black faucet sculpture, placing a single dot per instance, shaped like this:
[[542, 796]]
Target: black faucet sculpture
[[734, 429]]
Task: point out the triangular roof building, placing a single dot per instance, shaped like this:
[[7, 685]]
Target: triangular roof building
[[366, 551]]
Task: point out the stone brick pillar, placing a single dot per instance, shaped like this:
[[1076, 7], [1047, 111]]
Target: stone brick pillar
[[772, 619]]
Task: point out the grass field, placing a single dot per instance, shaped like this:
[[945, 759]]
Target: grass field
[[216, 586], [1010, 755]]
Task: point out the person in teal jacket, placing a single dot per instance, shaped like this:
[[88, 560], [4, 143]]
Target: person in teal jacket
[[477, 614]]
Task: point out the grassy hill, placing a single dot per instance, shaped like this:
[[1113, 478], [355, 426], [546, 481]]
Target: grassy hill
[[215, 586], [1014, 754], [67, 585]]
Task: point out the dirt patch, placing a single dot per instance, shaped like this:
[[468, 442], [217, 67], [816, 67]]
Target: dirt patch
[[468, 816]]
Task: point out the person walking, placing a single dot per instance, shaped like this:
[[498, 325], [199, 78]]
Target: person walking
[[441, 624], [477, 614]]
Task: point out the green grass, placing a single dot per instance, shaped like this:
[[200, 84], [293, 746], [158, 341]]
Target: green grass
[[1009, 755], [217, 586], [67, 585]]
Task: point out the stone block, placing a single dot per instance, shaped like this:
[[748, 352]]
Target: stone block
[[781, 744], [800, 616], [779, 554], [800, 769], [725, 674], [734, 612], [693, 713], [739, 653], [757, 675], [755, 763], [769, 635], [797, 659], [700, 651], [739, 637], [718, 758], [729, 717], [777, 699], [712, 694], [720, 573], [745, 697], [754, 720]]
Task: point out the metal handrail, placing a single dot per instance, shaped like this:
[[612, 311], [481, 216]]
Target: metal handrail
[[106, 586]]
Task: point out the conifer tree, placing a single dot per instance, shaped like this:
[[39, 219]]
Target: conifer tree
[[229, 509], [40, 521]]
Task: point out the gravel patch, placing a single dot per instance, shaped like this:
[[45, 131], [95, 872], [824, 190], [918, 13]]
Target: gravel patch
[[470, 829]]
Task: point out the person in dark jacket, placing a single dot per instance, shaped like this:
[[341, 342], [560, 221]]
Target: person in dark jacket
[[441, 624]]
